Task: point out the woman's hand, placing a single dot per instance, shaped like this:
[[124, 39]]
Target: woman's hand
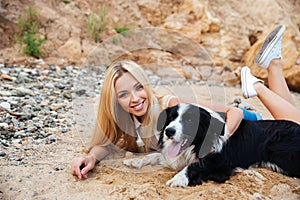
[[82, 165]]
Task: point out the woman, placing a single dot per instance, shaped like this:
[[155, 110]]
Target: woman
[[277, 98], [127, 116]]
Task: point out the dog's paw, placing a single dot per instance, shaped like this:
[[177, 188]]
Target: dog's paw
[[179, 180], [134, 162]]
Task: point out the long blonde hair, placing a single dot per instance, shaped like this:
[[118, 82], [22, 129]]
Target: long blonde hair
[[113, 124]]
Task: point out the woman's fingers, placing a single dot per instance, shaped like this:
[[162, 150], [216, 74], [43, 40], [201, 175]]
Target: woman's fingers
[[76, 164], [82, 165], [88, 165]]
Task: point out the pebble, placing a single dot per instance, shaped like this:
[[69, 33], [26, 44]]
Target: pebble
[[3, 125], [2, 154], [257, 196], [5, 93], [5, 106], [33, 100], [258, 175], [37, 104], [7, 77]]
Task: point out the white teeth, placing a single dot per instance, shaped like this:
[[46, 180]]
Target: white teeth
[[139, 106]]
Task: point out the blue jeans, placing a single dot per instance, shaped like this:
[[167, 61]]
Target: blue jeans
[[249, 115]]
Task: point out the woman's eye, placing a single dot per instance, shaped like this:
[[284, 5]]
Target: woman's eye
[[139, 86], [123, 95]]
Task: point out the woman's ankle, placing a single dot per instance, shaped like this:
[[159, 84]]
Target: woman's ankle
[[274, 64], [259, 86]]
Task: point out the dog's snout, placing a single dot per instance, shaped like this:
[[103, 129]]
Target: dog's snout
[[170, 132]]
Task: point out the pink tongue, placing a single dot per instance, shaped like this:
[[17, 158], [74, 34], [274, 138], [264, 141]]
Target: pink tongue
[[173, 149]]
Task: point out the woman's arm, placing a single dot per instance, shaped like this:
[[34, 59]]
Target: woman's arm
[[99, 152], [83, 164], [234, 116]]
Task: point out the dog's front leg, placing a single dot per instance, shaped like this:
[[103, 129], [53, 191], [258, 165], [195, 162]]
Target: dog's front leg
[[151, 159], [212, 167], [180, 179]]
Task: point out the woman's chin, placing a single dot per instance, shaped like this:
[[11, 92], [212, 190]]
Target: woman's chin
[[139, 113]]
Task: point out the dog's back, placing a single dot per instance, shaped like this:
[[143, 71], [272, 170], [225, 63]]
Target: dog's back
[[268, 143]]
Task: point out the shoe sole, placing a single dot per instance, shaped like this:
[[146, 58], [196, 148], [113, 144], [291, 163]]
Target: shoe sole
[[244, 83], [269, 43]]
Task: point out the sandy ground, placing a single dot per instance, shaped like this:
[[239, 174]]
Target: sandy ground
[[44, 172]]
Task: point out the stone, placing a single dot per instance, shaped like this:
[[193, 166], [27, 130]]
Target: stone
[[4, 125], [7, 77], [5, 106], [71, 49]]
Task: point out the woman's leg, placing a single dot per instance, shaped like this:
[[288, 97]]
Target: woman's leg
[[269, 57], [279, 107], [277, 82]]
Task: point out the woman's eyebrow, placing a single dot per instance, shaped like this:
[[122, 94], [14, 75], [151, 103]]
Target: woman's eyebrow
[[138, 83], [121, 91]]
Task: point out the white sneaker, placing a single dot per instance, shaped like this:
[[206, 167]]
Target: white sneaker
[[271, 47], [248, 81]]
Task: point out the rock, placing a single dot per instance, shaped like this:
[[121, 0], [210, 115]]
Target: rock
[[4, 142], [175, 21], [21, 92], [67, 95], [5, 93], [2, 154], [71, 49], [7, 77], [257, 196], [5, 106], [293, 78], [49, 85], [227, 41], [4, 125]]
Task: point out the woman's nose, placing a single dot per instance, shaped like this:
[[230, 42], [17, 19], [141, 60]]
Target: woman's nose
[[134, 96]]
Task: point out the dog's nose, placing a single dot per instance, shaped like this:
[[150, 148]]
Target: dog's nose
[[170, 132]]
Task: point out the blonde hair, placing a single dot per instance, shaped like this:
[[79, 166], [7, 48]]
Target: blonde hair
[[113, 124]]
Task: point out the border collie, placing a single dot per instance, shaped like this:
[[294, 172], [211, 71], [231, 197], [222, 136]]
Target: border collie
[[193, 139]]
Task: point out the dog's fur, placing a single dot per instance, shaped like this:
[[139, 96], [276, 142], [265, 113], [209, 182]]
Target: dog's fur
[[207, 154]]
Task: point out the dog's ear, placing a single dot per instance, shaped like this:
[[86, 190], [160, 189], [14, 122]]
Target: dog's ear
[[162, 119]]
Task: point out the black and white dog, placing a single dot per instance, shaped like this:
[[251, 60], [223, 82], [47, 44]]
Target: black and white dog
[[193, 139]]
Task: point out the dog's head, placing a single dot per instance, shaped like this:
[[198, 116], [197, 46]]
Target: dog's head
[[184, 125]]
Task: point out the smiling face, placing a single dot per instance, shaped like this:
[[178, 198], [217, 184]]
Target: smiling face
[[131, 95]]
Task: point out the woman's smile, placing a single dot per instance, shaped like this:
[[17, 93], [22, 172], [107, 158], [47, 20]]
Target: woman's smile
[[138, 107]]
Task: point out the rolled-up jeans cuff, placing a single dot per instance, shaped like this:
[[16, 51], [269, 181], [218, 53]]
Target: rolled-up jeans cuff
[[249, 115]]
